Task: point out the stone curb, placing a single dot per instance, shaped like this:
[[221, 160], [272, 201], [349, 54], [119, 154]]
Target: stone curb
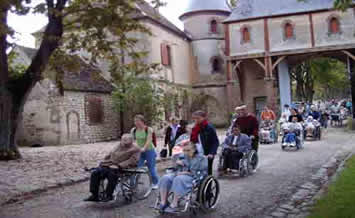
[[302, 201], [67, 182]]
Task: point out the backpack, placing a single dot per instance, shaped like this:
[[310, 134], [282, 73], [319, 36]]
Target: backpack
[[154, 137]]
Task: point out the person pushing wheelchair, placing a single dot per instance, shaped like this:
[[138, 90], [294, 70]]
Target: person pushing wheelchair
[[125, 155], [234, 147]]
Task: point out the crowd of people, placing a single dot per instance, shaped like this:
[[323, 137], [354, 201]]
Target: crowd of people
[[199, 150]]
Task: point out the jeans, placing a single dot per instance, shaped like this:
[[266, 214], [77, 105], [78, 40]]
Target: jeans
[[150, 157], [102, 173]]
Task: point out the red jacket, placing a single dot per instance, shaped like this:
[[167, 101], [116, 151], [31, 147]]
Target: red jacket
[[248, 125]]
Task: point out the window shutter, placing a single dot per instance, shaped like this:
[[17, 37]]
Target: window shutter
[[164, 54], [94, 110]]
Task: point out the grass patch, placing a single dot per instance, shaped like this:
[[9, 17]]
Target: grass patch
[[339, 202]]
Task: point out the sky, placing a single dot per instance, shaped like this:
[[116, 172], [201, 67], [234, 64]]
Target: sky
[[25, 25]]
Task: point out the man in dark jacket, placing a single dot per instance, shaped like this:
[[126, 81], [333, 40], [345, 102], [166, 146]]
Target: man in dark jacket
[[204, 134], [248, 125], [171, 134]]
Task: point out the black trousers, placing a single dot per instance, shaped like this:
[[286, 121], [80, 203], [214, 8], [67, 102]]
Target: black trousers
[[102, 173], [170, 148], [255, 143], [231, 159], [210, 166]]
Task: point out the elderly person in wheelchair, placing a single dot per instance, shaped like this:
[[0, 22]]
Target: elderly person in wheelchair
[[189, 167], [125, 155], [235, 147]]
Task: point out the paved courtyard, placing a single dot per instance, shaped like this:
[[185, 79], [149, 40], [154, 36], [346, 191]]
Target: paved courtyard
[[279, 176]]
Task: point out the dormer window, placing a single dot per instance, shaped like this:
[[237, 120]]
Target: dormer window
[[334, 25], [213, 26], [245, 33], [289, 32]]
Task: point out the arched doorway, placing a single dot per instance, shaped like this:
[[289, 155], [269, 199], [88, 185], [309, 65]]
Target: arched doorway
[[73, 126]]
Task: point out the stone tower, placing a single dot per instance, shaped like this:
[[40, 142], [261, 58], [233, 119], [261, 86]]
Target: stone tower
[[203, 23]]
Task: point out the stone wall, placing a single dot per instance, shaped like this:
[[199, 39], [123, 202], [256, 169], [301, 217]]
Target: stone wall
[[257, 41], [255, 88], [51, 119]]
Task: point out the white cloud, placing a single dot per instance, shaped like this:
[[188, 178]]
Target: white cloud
[[25, 25]]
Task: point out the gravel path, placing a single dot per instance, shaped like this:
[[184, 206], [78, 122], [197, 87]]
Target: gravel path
[[278, 177]]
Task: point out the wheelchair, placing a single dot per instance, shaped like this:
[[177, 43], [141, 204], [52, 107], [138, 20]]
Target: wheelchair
[[203, 196], [247, 164], [134, 183], [268, 135], [316, 134], [299, 145]]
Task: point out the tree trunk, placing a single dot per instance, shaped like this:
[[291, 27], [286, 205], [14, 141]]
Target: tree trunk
[[14, 92], [351, 68]]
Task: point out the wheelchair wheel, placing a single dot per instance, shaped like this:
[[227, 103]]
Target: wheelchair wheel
[[253, 161], [208, 194], [141, 184]]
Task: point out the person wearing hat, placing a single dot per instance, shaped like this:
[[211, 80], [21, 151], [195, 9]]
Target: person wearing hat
[[248, 125]]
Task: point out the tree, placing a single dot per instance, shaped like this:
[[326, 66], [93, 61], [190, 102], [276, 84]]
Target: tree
[[137, 94], [338, 4], [97, 27], [329, 75]]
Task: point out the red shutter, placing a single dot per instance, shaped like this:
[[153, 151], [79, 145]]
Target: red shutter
[[164, 54], [94, 110]]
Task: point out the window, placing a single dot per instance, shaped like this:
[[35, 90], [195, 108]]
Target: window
[[289, 31], [216, 65], [94, 110], [213, 26], [334, 25], [165, 54], [245, 35]]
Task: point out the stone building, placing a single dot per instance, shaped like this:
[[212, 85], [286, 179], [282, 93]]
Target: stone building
[[266, 38], [79, 110]]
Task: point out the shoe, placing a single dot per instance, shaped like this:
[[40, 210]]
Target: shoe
[[162, 207], [92, 198], [155, 187], [107, 198], [171, 210]]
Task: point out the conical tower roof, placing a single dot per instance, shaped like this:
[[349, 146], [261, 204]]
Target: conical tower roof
[[206, 5]]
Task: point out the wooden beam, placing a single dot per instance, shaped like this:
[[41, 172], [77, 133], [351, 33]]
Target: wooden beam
[[237, 65], [349, 54], [227, 38], [293, 52], [261, 64], [313, 42], [277, 62], [266, 36]]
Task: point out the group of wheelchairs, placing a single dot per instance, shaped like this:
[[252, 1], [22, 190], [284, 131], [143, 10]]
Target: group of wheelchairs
[[294, 134]]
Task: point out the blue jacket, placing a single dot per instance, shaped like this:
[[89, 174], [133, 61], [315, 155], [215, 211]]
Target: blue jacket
[[209, 140], [243, 142], [316, 115]]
